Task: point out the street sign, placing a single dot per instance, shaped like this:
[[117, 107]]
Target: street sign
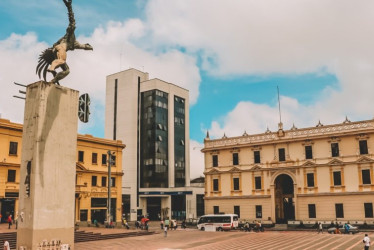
[[84, 108]]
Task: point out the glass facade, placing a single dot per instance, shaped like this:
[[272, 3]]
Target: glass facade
[[179, 142], [154, 139]]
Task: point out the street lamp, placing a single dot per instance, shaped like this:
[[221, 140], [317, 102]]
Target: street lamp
[[110, 163]]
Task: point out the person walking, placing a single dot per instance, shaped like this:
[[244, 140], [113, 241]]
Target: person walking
[[320, 228], [6, 245], [165, 231], [366, 241], [9, 221], [167, 223]]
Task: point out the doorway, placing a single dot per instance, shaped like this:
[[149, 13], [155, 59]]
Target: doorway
[[284, 199], [7, 208], [154, 208]]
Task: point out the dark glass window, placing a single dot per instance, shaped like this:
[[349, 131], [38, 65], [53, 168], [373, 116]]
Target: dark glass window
[[366, 176], [200, 207], [337, 178], [11, 175], [258, 182], [113, 162], [154, 146], [179, 142], [310, 179], [256, 155], [308, 152], [98, 202], [83, 215], [94, 181], [237, 210], [215, 160], [216, 209], [103, 159], [282, 154], [339, 211], [94, 158], [236, 183], [113, 182], [215, 185], [258, 211], [235, 159], [13, 146], [103, 181], [363, 147], [80, 156], [335, 149], [312, 210], [368, 210]]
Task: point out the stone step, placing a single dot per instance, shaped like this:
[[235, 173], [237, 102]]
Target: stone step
[[79, 236]]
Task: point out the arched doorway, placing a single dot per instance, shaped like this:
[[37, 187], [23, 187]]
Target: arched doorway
[[284, 199]]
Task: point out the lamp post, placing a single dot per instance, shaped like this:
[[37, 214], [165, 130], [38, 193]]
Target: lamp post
[[110, 163]]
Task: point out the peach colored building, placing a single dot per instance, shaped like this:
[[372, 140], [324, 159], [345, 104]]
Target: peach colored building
[[322, 173]]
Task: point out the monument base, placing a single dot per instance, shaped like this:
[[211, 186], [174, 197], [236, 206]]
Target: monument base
[[47, 178]]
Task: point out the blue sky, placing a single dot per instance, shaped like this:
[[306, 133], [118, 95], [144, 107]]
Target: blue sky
[[230, 55]]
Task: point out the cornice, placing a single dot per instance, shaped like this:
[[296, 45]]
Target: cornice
[[307, 164], [327, 131], [336, 194], [237, 197]]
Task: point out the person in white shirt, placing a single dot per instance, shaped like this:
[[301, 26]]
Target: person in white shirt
[[6, 245], [366, 241]]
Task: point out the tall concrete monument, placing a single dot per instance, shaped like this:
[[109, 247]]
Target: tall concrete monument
[[47, 180], [49, 142]]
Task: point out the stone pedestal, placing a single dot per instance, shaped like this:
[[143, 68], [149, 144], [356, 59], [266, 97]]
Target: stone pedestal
[[47, 180]]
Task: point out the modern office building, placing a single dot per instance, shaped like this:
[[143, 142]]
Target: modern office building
[[153, 117], [322, 173], [91, 187]]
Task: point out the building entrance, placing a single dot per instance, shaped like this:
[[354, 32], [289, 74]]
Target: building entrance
[[99, 215], [154, 208], [178, 207], [7, 208], [284, 196]]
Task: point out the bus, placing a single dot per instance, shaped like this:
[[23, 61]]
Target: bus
[[219, 221]]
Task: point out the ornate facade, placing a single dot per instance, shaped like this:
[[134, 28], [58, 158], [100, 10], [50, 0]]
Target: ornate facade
[[320, 173], [91, 190]]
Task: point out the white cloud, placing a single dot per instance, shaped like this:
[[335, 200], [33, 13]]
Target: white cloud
[[196, 159], [18, 60], [247, 37], [89, 69]]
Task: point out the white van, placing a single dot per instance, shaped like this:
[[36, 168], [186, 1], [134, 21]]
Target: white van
[[219, 221]]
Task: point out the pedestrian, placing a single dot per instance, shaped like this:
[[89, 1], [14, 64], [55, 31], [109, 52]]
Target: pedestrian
[[0, 218], [7, 247], [346, 228], [184, 224], [16, 221], [165, 231], [9, 221], [162, 224], [320, 228], [167, 223], [366, 241]]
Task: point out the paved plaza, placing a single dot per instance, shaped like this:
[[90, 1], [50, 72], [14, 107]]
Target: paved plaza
[[194, 239]]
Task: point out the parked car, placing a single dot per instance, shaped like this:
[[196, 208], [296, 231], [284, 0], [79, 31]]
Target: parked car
[[352, 229]]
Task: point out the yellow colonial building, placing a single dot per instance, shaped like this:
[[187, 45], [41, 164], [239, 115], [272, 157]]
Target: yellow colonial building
[[91, 175], [322, 173]]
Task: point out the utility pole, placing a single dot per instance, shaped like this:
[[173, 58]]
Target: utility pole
[[110, 163]]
